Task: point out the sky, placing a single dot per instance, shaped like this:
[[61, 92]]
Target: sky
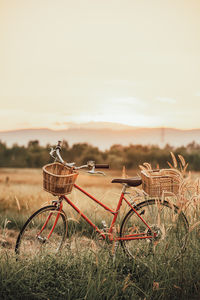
[[133, 62]]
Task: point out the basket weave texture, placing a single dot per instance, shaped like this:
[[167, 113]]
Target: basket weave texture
[[58, 179], [157, 183]]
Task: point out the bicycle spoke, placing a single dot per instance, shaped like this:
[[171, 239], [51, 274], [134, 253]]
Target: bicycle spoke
[[38, 236], [168, 230]]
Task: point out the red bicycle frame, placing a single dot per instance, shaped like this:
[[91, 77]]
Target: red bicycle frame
[[135, 236], [141, 235]]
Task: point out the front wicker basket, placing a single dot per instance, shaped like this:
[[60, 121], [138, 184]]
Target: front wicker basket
[[157, 183], [58, 179]]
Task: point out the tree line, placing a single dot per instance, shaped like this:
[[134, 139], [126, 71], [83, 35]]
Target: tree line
[[35, 156]]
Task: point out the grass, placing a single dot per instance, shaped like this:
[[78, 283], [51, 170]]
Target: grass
[[89, 273]]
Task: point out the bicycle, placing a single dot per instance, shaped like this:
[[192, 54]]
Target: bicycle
[[149, 226]]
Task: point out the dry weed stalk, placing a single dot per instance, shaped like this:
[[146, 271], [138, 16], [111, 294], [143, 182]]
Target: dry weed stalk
[[124, 175], [18, 204]]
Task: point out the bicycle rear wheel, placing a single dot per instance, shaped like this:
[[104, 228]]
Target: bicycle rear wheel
[[34, 239], [169, 225]]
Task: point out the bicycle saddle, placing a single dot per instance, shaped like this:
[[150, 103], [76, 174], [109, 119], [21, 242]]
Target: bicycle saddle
[[134, 181]]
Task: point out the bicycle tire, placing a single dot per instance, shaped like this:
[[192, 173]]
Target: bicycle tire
[[30, 244], [165, 219]]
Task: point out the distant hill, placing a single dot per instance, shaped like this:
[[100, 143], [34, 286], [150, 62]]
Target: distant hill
[[103, 137]]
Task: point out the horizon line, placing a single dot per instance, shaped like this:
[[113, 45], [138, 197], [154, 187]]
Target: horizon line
[[124, 127]]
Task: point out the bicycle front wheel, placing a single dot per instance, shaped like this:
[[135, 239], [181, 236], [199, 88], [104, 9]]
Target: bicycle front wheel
[[38, 235], [169, 229]]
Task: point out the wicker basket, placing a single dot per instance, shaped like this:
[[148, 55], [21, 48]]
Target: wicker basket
[[58, 179], [158, 182]]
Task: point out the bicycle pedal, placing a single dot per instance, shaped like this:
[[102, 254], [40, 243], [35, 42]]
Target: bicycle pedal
[[41, 239], [105, 227], [142, 212]]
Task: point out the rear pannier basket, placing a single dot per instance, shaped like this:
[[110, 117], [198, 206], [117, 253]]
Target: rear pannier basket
[[157, 183], [58, 179]]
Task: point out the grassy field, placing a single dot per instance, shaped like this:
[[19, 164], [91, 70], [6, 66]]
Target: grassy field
[[90, 273]]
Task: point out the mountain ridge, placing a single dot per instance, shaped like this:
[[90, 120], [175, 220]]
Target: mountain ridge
[[103, 138]]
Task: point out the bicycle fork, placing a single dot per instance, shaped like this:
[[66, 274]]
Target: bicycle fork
[[41, 239]]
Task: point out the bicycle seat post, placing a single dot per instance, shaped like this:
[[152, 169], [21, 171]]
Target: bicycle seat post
[[125, 186]]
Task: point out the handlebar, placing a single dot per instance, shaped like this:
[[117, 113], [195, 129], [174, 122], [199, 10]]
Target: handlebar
[[91, 165], [102, 166]]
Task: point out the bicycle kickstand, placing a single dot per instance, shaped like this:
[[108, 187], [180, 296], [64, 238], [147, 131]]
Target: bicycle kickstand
[[116, 244]]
